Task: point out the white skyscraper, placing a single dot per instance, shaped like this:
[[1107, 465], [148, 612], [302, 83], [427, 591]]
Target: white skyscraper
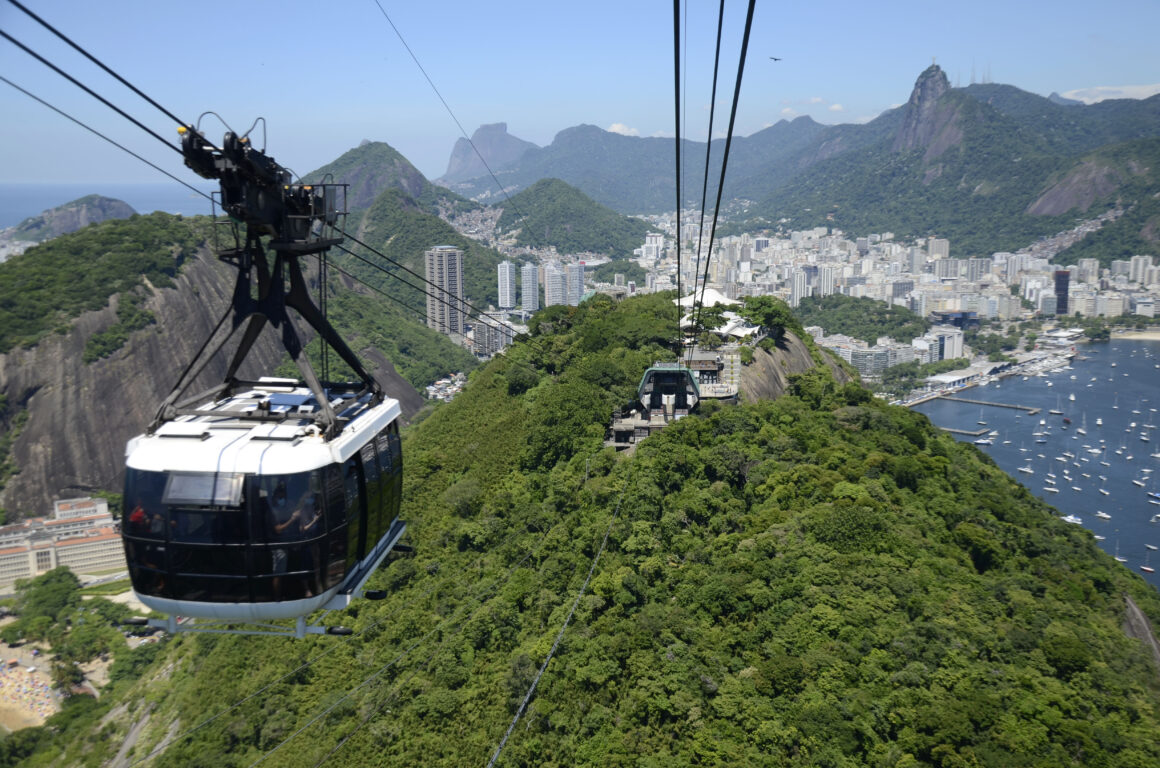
[[574, 283], [444, 267], [554, 286], [507, 285], [530, 287], [798, 289]]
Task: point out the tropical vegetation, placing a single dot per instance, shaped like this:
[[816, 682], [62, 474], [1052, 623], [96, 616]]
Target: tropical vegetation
[[861, 318], [552, 213], [817, 580]]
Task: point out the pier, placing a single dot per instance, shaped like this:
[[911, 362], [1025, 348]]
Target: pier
[[1028, 409], [967, 432]]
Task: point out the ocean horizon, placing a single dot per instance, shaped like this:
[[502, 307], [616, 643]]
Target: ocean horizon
[[18, 201]]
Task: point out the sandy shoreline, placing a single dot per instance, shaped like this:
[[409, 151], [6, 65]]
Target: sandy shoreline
[[14, 718], [1138, 335]]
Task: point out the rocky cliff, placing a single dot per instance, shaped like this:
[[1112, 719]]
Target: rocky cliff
[[767, 377], [929, 122], [496, 146], [80, 416]]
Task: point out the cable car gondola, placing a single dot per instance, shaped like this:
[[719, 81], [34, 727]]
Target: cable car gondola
[[260, 501]]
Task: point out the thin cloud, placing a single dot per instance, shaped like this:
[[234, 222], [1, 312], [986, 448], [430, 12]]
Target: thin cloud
[[816, 100], [789, 112], [623, 130], [836, 108], [1103, 92]]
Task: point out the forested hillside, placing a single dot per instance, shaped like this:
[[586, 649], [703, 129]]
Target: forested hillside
[[551, 212], [861, 318], [816, 580]]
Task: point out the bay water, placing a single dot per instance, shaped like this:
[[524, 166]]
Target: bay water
[[1111, 392]]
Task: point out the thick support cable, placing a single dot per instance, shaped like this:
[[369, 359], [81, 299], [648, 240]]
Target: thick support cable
[[729, 134], [97, 133], [677, 145], [88, 90], [96, 61], [698, 303]]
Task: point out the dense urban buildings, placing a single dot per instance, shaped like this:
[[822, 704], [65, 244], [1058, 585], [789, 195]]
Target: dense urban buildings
[[81, 535]]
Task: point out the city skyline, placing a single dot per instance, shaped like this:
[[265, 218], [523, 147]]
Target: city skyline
[[512, 66]]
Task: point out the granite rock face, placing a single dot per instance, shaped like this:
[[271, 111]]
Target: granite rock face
[[81, 415], [768, 376]]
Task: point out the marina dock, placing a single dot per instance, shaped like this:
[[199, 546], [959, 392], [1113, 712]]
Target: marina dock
[[968, 432], [1026, 408]]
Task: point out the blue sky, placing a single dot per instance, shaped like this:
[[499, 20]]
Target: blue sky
[[327, 75]]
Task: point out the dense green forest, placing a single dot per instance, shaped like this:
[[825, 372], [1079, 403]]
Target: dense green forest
[[861, 318], [50, 284], [817, 580], [551, 212], [419, 354]]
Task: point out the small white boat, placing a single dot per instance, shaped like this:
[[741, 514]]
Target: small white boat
[[1027, 470], [1051, 490], [1103, 516], [1072, 519]]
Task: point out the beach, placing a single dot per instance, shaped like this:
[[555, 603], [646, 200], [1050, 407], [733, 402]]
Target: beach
[[1152, 334], [26, 698]]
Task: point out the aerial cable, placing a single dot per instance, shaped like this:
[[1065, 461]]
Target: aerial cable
[[729, 135], [567, 621], [96, 61], [492, 588], [417, 276], [459, 125], [94, 131], [422, 290], [677, 146], [423, 315], [379, 291], [87, 90], [694, 310]]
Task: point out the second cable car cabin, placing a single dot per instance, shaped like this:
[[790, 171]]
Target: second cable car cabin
[[667, 391], [247, 521]]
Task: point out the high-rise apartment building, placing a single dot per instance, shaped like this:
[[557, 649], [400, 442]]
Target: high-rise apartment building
[[1138, 268], [507, 285], [1062, 281], [574, 283], [555, 291], [798, 287], [938, 248], [530, 287], [444, 268]]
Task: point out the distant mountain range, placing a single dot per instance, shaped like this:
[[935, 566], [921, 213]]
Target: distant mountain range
[[989, 166]]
